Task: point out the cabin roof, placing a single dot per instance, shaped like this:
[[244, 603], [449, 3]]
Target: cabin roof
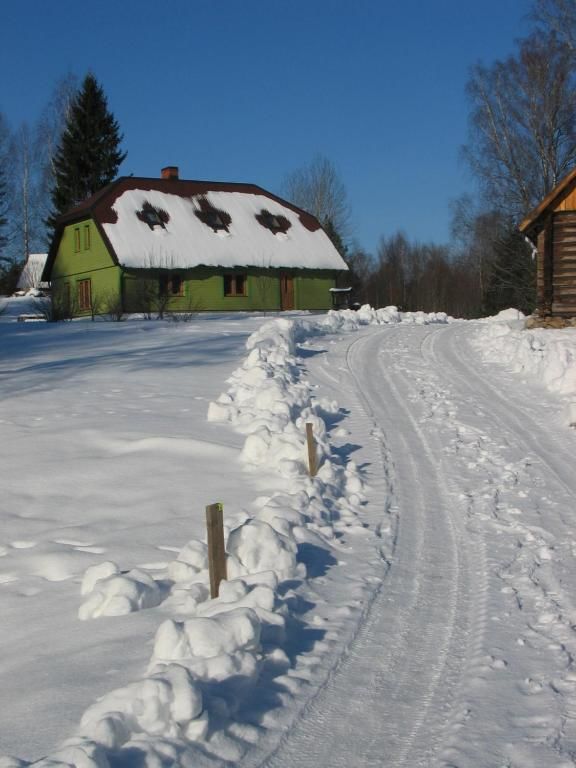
[[533, 222], [178, 224]]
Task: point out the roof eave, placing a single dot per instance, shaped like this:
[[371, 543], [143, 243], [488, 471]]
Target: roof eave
[[533, 222]]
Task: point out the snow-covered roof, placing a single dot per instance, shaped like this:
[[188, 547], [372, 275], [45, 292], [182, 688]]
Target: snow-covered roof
[[31, 275], [187, 241], [166, 223]]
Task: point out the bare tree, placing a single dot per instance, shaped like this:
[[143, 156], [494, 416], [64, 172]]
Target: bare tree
[[361, 265], [47, 137], [523, 124], [475, 232], [391, 274], [318, 189], [27, 226], [558, 16]]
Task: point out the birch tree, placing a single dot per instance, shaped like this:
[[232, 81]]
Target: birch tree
[[319, 190], [523, 124], [558, 16]]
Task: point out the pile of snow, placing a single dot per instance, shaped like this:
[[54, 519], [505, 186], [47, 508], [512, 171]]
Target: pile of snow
[[547, 356], [110, 593], [210, 653], [505, 316]]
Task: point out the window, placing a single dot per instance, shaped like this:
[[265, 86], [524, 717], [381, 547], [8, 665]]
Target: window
[[152, 217], [87, 237], [235, 285], [84, 295], [76, 239], [172, 285], [214, 219], [273, 222]]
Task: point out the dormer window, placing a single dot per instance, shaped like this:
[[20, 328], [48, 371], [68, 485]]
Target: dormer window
[[273, 222], [215, 218], [154, 217]]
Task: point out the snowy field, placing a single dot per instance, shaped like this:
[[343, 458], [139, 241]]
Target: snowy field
[[410, 606]]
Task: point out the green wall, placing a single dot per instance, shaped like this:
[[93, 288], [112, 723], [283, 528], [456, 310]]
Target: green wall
[[312, 291], [204, 290], [92, 261]]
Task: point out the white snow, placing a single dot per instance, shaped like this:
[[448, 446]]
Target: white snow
[[110, 461], [187, 242], [30, 277], [546, 356]]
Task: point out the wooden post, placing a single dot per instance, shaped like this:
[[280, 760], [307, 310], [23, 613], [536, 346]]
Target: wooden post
[[312, 463], [216, 551]]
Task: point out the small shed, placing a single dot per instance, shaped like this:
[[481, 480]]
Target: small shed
[[551, 227], [31, 275]]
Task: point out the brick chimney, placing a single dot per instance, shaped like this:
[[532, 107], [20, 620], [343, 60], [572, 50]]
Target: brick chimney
[[170, 172]]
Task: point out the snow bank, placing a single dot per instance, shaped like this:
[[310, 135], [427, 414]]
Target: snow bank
[[505, 316], [545, 355], [111, 593], [210, 653]]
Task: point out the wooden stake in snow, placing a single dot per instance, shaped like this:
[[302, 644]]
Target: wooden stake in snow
[[312, 463], [216, 551]]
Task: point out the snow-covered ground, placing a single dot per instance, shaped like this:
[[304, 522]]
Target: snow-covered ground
[[411, 605]]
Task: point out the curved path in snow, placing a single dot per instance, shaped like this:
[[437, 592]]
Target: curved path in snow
[[466, 655]]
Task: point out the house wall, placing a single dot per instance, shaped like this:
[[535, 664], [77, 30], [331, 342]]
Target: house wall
[[313, 291], [91, 261], [563, 277], [79, 259], [568, 203], [203, 290]]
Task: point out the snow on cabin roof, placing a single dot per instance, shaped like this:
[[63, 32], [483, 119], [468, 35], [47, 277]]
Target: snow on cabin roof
[[181, 239], [173, 223]]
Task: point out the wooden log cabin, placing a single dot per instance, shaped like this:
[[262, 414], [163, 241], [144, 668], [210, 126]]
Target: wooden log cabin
[[551, 226]]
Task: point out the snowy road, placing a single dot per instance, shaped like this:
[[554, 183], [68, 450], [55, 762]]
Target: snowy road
[[466, 656]]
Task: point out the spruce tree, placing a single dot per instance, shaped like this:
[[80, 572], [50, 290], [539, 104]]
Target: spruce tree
[[89, 155]]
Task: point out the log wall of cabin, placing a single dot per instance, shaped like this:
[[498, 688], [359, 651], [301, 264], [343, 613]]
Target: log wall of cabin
[[540, 290], [568, 203], [563, 278], [544, 269]]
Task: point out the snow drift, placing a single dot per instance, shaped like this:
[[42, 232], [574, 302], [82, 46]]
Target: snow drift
[[546, 355]]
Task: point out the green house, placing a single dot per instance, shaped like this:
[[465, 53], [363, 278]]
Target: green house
[[171, 245]]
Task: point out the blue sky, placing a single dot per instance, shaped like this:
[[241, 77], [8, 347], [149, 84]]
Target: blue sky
[[247, 90]]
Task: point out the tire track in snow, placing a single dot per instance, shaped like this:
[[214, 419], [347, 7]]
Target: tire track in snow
[[504, 413], [390, 695], [535, 570]]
